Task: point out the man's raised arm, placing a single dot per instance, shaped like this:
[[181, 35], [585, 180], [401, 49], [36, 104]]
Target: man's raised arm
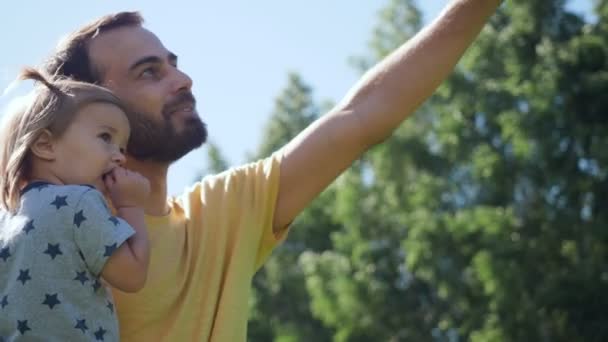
[[385, 96]]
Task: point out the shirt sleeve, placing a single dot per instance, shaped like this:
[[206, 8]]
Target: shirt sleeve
[[96, 232], [239, 206], [265, 182]]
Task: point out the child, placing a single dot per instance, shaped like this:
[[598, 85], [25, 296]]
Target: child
[[57, 235]]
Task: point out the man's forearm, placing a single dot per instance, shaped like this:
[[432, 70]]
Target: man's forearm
[[395, 87], [383, 98]]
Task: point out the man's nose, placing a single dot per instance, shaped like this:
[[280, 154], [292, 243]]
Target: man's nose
[[181, 81]]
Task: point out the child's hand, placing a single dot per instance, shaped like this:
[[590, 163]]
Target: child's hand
[[127, 188]]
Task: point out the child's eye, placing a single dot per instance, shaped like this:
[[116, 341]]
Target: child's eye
[[107, 137]]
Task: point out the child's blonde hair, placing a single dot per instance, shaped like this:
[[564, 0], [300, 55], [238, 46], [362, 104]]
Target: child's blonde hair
[[53, 106]]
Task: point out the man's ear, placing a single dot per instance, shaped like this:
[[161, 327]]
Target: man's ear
[[44, 146]]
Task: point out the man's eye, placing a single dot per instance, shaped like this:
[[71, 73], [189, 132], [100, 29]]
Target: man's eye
[[147, 72]]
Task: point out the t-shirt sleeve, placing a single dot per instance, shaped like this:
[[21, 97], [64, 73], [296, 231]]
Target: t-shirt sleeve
[[239, 206], [96, 232], [264, 177]]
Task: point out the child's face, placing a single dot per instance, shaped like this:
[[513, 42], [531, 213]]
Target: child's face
[[92, 145]]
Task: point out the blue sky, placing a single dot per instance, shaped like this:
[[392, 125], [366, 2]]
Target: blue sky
[[237, 52]]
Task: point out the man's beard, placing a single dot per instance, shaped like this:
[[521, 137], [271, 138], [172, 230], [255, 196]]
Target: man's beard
[[159, 141]]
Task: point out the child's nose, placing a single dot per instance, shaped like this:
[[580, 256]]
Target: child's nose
[[119, 158]]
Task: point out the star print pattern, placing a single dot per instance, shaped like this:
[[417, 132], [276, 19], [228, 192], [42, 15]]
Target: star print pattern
[[109, 250], [5, 253], [82, 277], [79, 218], [110, 306], [53, 250], [29, 227], [60, 201], [71, 229], [81, 324], [24, 276], [51, 300], [99, 334], [96, 285], [23, 327], [114, 220]]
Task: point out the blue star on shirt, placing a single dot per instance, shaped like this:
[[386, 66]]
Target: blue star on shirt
[[96, 285], [79, 218], [24, 276], [5, 253], [114, 220], [82, 277], [82, 325], [99, 334], [22, 326], [51, 300], [4, 301], [60, 201], [110, 306], [53, 250], [29, 226], [110, 249]]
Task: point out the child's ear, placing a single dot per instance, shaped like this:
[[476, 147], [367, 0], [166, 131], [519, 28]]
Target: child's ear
[[44, 146]]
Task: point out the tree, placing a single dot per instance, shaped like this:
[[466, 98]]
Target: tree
[[280, 308], [362, 288], [481, 218], [516, 240], [216, 162]]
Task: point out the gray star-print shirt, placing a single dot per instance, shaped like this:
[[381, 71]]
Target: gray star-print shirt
[[51, 256]]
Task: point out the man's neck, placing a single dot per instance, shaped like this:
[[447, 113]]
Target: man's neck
[[157, 175]]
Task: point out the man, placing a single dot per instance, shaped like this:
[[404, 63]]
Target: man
[[207, 244]]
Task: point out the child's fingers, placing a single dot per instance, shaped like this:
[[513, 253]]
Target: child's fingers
[[109, 179], [118, 173]]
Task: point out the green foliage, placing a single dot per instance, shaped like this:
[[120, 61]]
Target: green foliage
[[480, 219], [516, 247], [294, 110], [280, 307], [217, 162]]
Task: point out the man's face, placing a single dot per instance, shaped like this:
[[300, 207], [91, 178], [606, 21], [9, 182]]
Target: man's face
[[134, 64]]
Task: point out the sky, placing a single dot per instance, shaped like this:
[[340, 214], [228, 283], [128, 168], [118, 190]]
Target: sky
[[238, 53]]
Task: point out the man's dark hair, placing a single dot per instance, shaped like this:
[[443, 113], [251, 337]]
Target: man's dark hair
[[71, 58]]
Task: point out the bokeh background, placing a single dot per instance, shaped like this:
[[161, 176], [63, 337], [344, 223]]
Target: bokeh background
[[482, 219]]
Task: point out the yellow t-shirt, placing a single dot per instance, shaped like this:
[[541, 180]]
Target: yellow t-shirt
[[203, 257]]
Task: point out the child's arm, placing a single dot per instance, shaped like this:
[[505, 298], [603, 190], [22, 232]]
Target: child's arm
[[127, 268]]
